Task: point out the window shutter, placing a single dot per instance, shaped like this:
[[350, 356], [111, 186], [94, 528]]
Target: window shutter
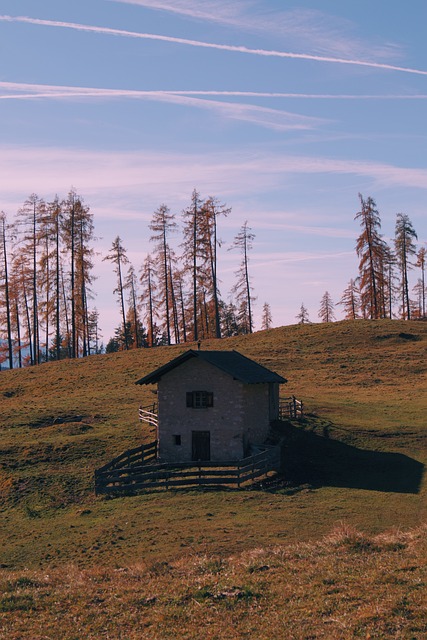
[[209, 399], [189, 396]]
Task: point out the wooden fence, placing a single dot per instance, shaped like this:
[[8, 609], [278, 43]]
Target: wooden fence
[[291, 408], [132, 472], [129, 459], [149, 414]]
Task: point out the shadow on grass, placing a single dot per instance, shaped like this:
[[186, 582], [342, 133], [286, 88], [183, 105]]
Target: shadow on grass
[[309, 458]]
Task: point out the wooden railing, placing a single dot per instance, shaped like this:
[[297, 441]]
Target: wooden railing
[[149, 414], [291, 408], [122, 478], [130, 458]]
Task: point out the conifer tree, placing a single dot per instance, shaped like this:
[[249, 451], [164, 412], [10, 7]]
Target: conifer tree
[[266, 320], [370, 249], [77, 233], [191, 245], [212, 210], [162, 224], [421, 262], [149, 296], [242, 289], [326, 311], [28, 220], [117, 256], [350, 301], [131, 285], [404, 248], [302, 316], [5, 286]]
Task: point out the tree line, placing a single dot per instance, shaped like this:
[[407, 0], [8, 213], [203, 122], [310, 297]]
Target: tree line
[[175, 298], [381, 289], [46, 280]]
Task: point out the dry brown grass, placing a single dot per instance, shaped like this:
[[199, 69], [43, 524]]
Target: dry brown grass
[[346, 585]]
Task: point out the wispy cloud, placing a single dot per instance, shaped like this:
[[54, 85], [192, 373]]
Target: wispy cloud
[[122, 177], [211, 45]]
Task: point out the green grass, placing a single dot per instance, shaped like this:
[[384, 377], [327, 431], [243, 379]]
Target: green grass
[[356, 461]]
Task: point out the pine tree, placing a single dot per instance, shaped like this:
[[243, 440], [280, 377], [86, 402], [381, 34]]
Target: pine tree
[[326, 311], [404, 249]]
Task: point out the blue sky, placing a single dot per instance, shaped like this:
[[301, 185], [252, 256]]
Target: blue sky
[[283, 110]]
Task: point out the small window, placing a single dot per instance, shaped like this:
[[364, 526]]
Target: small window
[[177, 440], [199, 399]]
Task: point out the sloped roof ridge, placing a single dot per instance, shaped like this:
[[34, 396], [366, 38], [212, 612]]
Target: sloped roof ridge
[[240, 367]]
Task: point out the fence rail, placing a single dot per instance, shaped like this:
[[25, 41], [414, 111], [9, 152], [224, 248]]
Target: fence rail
[[124, 478], [148, 414], [291, 408], [130, 458]]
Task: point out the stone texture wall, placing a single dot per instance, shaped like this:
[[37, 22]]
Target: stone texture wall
[[240, 413]]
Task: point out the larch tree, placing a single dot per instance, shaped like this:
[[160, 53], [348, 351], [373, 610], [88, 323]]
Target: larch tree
[[302, 316], [242, 289], [77, 234], [350, 301], [370, 249], [162, 224], [405, 249], [421, 262], [54, 210], [229, 320], [326, 311], [46, 267], [417, 306], [131, 285], [5, 286], [180, 301], [148, 298], [212, 210], [266, 319], [28, 220], [117, 256], [191, 245]]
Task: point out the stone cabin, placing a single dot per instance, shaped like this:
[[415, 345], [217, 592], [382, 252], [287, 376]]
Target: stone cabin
[[213, 405]]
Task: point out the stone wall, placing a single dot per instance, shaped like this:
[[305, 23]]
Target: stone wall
[[240, 413]]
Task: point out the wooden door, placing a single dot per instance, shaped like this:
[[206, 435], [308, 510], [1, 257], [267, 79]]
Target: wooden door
[[201, 445]]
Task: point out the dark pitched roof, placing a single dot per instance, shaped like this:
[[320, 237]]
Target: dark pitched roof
[[231, 362]]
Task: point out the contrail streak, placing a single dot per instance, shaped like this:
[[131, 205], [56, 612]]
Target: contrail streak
[[60, 91], [207, 45]]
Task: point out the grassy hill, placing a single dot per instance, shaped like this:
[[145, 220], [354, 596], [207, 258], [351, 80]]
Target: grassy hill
[[356, 461]]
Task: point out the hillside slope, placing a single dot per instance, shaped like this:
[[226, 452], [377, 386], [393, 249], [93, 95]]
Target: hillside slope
[[358, 458]]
